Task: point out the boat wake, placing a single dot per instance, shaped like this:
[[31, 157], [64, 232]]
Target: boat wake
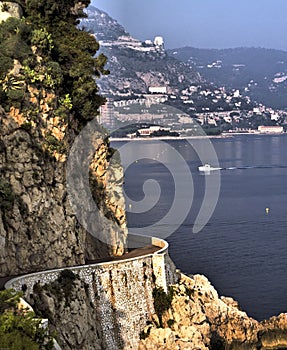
[[207, 168], [255, 167]]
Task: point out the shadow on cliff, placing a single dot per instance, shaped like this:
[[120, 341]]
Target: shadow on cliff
[[80, 320], [37, 224]]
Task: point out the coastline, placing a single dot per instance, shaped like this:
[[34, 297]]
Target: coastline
[[163, 138]]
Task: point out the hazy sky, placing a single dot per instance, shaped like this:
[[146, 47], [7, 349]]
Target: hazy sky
[[203, 23]]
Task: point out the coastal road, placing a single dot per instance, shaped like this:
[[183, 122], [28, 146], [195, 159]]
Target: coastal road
[[150, 249]]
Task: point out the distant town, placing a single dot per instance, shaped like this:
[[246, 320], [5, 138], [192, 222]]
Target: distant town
[[156, 110], [151, 93]]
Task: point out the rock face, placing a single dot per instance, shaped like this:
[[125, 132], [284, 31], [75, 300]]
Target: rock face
[[199, 319], [38, 228], [42, 111], [135, 66], [134, 71], [103, 305], [67, 304], [107, 172], [9, 9]]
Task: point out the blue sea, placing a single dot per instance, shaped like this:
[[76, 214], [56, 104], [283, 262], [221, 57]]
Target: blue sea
[[242, 247]]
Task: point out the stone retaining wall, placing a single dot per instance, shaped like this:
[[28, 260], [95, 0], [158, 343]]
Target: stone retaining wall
[[120, 291]]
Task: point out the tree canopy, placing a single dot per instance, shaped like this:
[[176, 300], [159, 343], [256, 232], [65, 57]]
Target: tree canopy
[[53, 53]]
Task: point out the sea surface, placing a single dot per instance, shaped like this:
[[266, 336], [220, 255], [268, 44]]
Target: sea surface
[[243, 247]]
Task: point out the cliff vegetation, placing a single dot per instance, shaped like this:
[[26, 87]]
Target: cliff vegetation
[[196, 317], [19, 328], [48, 93]]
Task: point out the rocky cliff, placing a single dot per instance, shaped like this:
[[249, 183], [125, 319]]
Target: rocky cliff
[[38, 227], [99, 308], [67, 304], [198, 318], [42, 110]]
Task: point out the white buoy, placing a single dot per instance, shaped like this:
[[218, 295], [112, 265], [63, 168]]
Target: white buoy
[[267, 210]]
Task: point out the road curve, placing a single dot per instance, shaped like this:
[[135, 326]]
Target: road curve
[[137, 252]]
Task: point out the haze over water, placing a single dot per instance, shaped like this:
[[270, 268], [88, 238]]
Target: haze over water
[[242, 249]]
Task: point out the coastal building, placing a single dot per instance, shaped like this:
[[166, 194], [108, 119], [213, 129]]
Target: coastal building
[[148, 42], [236, 93], [145, 132], [157, 89], [275, 116], [107, 118], [270, 129], [159, 42], [154, 128]]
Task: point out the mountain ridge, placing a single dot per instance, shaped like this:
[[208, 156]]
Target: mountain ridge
[[103, 18], [134, 65]]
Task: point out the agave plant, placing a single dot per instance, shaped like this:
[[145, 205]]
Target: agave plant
[[10, 83]]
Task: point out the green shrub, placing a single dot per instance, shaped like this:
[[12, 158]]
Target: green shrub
[[7, 196], [189, 292], [53, 144], [8, 299], [61, 288], [170, 322], [63, 56], [26, 126], [162, 301], [20, 329], [5, 7], [42, 39]]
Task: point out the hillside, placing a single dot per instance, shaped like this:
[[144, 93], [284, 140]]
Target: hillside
[[104, 26], [135, 66], [260, 73]]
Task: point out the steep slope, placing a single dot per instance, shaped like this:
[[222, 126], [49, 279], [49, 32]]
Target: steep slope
[[102, 25], [135, 66], [43, 107], [198, 318], [262, 73], [38, 227]]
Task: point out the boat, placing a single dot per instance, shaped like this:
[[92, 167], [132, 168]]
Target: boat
[[207, 168]]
